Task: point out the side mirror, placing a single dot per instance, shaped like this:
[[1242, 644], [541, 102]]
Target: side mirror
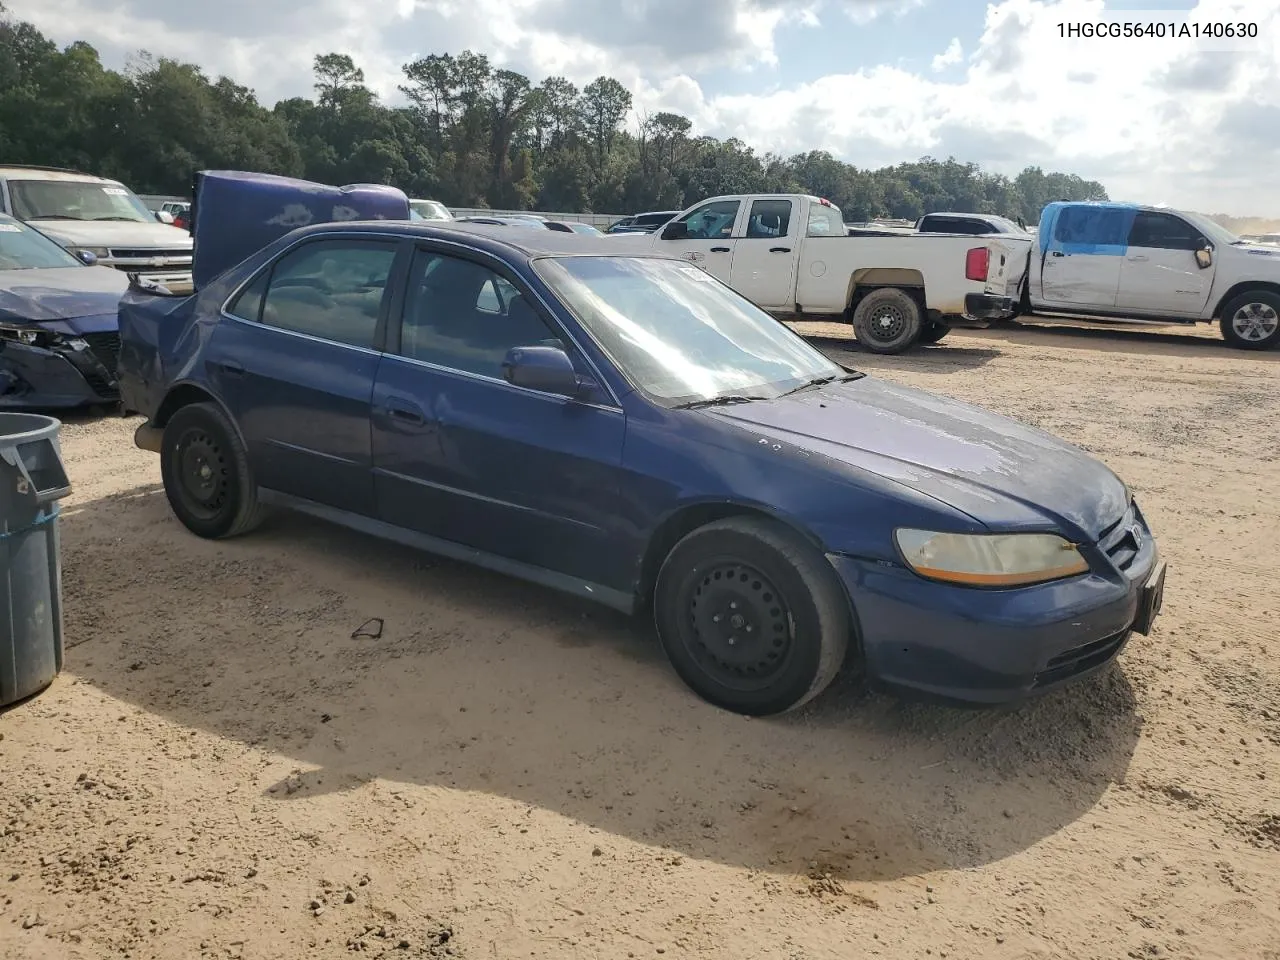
[[545, 369], [87, 257], [164, 216], [676, 230], [1204, 256]]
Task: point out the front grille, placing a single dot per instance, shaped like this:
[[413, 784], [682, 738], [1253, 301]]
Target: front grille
[[105, 348], [1080, 659], [106, 390], [149, 254], [1122, 541]]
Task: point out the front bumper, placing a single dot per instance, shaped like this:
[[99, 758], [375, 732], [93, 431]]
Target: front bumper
[[986, 647], [988, 306], [59, 374]]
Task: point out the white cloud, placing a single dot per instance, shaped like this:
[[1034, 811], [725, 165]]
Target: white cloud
[[949, 57], [1153, 119]]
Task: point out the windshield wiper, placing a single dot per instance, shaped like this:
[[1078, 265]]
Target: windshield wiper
[[823, 381], [56, 216], [719, 401], [125, 219]]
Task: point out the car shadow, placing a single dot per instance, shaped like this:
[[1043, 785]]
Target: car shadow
[[356, 660], [1149, 340], [945, 357]]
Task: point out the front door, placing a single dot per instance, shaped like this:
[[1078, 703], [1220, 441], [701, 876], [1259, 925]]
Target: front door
[[296, 366], [463, 455], [709, 243], [1080, 266], [764, 253], [1159, 275]]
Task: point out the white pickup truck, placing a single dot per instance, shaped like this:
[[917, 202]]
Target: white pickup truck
[[791, 255], [1119, 261]]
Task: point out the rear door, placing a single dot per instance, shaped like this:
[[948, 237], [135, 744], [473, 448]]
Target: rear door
[[1080, 265], [294, 358], [1159, 274], [765, 251], [710, 242]]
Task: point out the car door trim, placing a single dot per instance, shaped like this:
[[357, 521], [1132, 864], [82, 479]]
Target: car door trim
[[623, 601], [472, 495]]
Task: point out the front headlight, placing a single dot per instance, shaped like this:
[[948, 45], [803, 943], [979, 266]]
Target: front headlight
[[990, 560], [99, 252], [22, 334]]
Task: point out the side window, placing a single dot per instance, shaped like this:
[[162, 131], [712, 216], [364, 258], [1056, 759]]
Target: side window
[[824, 221], [769, 218], [247, 304], [331, 289], [1163, 231], [713, 221], [463, 316], [1092, 226]]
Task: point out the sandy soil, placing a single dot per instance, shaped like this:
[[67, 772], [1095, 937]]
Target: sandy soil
[[227, 769]]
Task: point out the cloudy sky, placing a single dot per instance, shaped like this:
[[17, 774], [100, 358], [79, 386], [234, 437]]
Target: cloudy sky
[[1187, 123]]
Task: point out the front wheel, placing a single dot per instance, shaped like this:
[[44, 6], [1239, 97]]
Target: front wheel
[[206, 473], [887, 320], [751, 616], [1251, 321]]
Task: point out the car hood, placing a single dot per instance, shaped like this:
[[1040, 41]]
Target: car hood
[[61, 293], [114, 233], [1003, 474]]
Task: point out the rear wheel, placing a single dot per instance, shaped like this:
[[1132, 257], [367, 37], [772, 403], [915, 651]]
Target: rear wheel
[[887, 320], [1251, 321], [751, 616], [934, 331], [206, 473]]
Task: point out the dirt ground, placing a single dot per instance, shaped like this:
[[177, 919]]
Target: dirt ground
[[228, 769]]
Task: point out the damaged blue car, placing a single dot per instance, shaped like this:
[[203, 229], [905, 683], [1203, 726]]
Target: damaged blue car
[[58, 323], [630, 430]]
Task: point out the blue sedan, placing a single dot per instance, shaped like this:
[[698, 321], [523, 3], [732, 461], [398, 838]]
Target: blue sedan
[[628, 429]]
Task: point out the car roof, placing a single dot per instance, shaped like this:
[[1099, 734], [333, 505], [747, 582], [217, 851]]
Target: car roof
[[491, 238], [51, 173]]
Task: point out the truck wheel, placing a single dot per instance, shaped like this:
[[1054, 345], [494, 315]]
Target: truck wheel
[[206, 473], [751, 616], [933, 332], [1251, 321], [887, 320]]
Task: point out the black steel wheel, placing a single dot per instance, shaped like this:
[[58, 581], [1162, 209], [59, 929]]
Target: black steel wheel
[[887, 320], [206, 473], [751, 616]]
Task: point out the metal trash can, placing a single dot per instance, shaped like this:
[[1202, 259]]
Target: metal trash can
[[32, 481]]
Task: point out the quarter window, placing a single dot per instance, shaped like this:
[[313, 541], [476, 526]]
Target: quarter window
[[464, 316], [332, 289]]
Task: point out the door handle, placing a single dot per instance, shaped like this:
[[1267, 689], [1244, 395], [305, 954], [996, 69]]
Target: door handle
[[405, 411], [1137, 259], [779, 249], [231, 368], [1057, 253], [719, 249]]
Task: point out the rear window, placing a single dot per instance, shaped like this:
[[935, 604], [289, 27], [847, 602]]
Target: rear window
[[654, 219]]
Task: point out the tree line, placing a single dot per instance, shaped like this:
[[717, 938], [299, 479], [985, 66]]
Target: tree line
[[469, 134]]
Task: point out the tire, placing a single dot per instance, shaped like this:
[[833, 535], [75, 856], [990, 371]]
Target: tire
[[783, 590], [1251, 321], [933, 332], [887, 320], [206, 473]]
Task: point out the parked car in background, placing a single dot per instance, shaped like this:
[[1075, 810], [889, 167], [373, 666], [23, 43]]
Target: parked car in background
[[428, 210], [643, 222], [969, 224], [535, 223], [1124, 261], [573, 226], [628, 429], [793, 255], [104, 217], [58, 323]]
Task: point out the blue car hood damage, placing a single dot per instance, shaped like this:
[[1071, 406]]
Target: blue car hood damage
[[1003, 474], [67, 294]]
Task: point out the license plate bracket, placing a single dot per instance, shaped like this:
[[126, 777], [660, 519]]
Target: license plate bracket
[[1150, 600]]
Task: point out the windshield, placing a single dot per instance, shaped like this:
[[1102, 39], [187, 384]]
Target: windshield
[[583, 228], [76, 200], [428, 210], [678, 333], [22, 248], [1215, 232]]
